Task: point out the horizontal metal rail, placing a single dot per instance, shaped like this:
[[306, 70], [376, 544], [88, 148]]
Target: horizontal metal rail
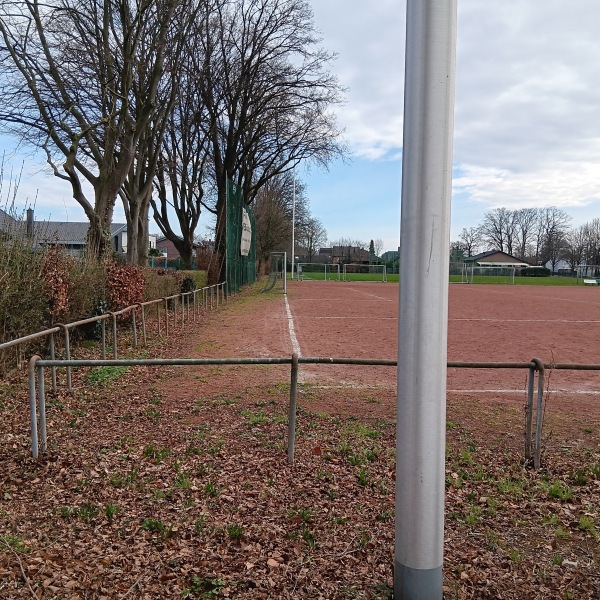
[[535, 367], [185, 299]]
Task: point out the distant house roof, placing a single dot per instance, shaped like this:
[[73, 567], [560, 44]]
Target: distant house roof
[[6, 220], [496, 258], [61, 232]]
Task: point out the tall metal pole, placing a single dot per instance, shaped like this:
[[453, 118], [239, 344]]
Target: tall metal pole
[[293, 221], [423, 309]]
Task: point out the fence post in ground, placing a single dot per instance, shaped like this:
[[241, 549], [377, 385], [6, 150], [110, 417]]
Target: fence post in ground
[[174, 312], [53, 357], [529, 412], [42, 405], [103, 335], [143, 322], [67, 352], [133, 321], [114, 333], [292, 411], [32, 406], [539, 416], [166, 317]]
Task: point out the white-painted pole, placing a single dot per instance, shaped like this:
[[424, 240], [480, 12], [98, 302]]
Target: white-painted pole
[[423, 309], [293, 222]]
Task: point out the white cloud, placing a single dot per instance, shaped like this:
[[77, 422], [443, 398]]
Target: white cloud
[[527, 130], [557, 184]]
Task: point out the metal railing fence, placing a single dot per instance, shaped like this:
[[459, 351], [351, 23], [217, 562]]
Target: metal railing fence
[[207, 297], [535, 367]]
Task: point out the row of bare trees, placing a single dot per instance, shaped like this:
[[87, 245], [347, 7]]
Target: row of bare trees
[[537, 235], [158, 102]]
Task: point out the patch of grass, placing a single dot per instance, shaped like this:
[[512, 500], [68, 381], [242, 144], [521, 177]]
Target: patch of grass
[[157, 526], [205, 587], [362, 477], [254, 418], [235, 532], [183, 482], [104, 376], [560, 491], [211, 489], [110, 511], [303, 515], [360, 430], [152, 412], [586, 523], [14, 543], [308, 537], [88, 512], [579, 477], [156, 452]]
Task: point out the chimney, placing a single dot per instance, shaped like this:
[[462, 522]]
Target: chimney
[[30, 223]]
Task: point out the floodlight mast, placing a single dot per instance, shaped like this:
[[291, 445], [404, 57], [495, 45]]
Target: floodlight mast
[[423, 307]]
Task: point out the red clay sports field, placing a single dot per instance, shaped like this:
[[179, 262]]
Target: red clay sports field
[[487, 323]]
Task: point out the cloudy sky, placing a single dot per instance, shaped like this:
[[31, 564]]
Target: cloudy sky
[[527, 130]]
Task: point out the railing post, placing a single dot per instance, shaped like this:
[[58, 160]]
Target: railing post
[[32, 406], [143, 316], [292, 410], [42, 405], [539, 417], [166, 317], [133, 320], [114, 333], [53, 357], [529, 412], [67, 353], [103, 335]]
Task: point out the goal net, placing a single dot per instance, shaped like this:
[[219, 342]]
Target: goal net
[[365, 272], [318, 271], [277, 274], [488, 274]]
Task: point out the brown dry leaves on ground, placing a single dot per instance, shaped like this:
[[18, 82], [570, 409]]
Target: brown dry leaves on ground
[[158, 485]]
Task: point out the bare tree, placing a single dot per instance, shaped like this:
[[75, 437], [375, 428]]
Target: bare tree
[[553, 224], [525, 221], [182, 178], [267, 92], [576, 241], [312, 237], [498, 229], [68, 71], [471, 239], [273, 216]]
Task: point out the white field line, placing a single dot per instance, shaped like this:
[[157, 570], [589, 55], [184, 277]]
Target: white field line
[[465, 391], [293, 339], [373, 318]]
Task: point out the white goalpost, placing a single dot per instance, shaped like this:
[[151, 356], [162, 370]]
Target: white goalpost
[[474, 273], [358, 272], [588, 272], [318, 271]]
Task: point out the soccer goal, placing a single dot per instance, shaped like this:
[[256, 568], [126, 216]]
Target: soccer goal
[[277, 274], [588, 272], [488, 274], [318, 271], [356, 272]]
